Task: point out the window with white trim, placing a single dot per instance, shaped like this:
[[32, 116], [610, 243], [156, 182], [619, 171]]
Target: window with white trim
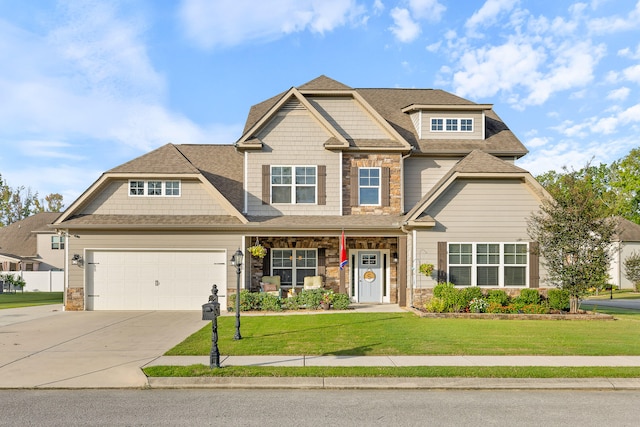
[[57, 242], [294, 184], [154, 188], [451, 125], [488, 264], [293, 265], [369, 186]]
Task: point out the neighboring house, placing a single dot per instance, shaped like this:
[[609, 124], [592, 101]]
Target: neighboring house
[[30, 245], [627, 241], [410, 176]]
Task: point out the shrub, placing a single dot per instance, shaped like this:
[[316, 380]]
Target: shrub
[[498, 296], [453, 299], [495, 307], [341, 301], [311, 299], [528, 296], [248, 301], [632, 269], [469, 294], [478, 305], [435, 305], [292, 303], [558, 299], [533, 309], [269, 302]]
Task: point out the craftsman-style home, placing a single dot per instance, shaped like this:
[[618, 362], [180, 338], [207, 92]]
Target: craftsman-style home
[[410, 176]]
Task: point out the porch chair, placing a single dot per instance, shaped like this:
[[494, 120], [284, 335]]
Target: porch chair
[[271, 285], [312, 282]]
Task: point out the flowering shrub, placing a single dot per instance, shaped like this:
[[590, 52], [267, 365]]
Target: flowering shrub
[[478, 305]]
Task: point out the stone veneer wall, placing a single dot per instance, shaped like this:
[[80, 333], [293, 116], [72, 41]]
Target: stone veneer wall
[[422, 295], [389, 160], [75, 299]]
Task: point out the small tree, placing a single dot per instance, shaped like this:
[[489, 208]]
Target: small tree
[[632, 269], [574, 232]]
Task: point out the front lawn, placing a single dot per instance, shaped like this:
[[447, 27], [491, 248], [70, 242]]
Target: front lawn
[[27, 299], [407, 334]]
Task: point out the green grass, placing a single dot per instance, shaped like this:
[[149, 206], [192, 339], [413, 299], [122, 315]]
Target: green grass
[[27, 299], [414, 371], [407, 334]]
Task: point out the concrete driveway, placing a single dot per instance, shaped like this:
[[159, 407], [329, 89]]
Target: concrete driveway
[[44, 347]]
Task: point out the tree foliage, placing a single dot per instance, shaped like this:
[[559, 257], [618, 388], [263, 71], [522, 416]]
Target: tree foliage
[[574, 231], [17, 203], [632, 269]]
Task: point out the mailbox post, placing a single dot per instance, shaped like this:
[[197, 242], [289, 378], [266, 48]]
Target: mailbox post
[[211, 311]]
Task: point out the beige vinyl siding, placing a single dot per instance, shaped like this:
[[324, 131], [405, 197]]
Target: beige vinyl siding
[[478, 123], [351, 120], [482, 210], [194, 199], [416, 120], [50, 259], [420, 175], [293, 139], [148, 240]]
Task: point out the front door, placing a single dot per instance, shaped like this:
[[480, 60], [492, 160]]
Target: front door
[[369, 277]]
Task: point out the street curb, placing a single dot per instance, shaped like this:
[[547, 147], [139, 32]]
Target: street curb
[[437, 383]]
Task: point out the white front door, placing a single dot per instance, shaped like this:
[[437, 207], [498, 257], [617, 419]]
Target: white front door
[[370, 276]]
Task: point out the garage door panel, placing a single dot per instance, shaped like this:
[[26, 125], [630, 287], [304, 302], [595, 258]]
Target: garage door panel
[[154, 280]]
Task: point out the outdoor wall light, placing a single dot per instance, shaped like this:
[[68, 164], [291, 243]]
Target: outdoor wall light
[[76, 259]]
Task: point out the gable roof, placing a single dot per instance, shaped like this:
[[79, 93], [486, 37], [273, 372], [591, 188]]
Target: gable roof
[[219, 167], [20, 238], [627, 231], [476, 164], [389, 103]]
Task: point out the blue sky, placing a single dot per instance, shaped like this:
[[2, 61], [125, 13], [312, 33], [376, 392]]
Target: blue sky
[[88, 85]]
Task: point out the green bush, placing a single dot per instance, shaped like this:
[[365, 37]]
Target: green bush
[[495, 307], [534, 309], [558, 299], [269, 302], [292, 303], [498, 296], [469, 294], [310, 299], [528, 297], [453, 299], [435, 305], [341, 301]]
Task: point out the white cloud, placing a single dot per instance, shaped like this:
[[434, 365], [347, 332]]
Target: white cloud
[[405, 29], [619, 94], [428, 10], [614, 24], [632, 73], [487, 15], [223, 23]]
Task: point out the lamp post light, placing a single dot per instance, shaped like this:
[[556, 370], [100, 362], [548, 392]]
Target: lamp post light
[[236, 260]]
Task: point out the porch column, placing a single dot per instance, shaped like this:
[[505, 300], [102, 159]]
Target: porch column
[[401, 273]]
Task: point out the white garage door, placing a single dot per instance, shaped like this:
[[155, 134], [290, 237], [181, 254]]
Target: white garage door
[[153, 280]]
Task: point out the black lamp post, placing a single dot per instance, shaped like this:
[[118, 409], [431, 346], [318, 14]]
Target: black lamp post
[[236, 260]]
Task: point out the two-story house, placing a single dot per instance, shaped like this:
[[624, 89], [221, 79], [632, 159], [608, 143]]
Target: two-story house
[[410, 176]]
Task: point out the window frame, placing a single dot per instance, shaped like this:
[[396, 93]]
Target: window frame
[[519, 257], [378, 186], [452, 124], [298, 172], [59, 241], [294, 265], [153, 188]]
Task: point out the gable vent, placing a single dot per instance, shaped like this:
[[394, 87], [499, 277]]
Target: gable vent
[[293, 105]]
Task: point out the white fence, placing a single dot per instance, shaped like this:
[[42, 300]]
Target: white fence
[[40, 281]]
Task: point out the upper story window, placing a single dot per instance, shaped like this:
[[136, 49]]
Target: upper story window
[[293, 184], [57, 242], [451, 125], [154, 188], [369, 186]]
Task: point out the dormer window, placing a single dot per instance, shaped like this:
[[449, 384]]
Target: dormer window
[[451, 125], [154, 188]]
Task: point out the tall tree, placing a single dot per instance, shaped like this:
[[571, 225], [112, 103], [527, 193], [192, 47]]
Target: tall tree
[[625, 183], [20, 202], [574, 231]]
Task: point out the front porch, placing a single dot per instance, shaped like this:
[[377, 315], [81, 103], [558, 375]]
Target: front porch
[[370, 276]]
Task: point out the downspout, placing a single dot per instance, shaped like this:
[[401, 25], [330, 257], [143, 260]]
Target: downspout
[[340, 184], [414, 254], [244, 184], [65, 284]]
